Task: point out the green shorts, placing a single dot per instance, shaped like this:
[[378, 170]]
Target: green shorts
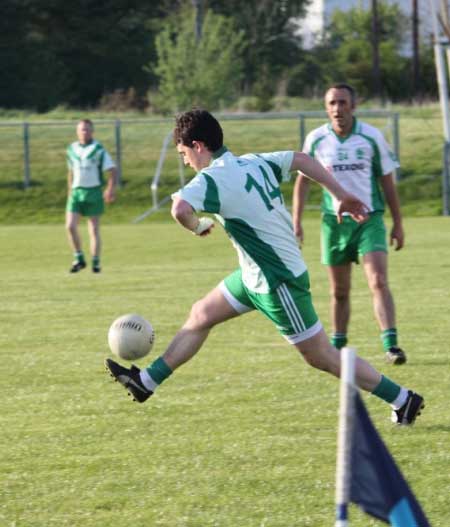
[[86, 201], [289, 306], [345, 242]]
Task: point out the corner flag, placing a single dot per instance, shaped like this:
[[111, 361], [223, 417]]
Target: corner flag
[[377, 485]]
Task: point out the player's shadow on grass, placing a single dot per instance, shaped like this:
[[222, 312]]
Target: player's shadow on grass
[[436, 428], [445, 363], [19, 185]]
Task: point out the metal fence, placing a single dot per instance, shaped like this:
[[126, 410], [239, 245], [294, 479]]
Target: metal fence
[[446, 180], [28, 130], [34, 152], [30, 133]]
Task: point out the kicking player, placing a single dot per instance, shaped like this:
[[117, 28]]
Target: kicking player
[[244, 194], [358, 157]]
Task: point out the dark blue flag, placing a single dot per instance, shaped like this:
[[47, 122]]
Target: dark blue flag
[[378, 486]]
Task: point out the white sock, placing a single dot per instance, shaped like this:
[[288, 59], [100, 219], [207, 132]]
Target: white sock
[[147, 381], [400, 400]]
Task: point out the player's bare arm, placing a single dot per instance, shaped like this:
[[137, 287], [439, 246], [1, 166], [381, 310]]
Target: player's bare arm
[[315, 171], [397, 235], [184, 214], [301, 188], [110, 191], [69, 182]]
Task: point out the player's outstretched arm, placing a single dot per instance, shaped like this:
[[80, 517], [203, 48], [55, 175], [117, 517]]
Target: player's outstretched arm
[[184, 214], [315, 171]]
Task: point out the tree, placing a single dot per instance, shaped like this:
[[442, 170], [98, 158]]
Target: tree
[[198, 72], [345, 54], [58, 52], [309, 76], [349, 40], [270, 30]]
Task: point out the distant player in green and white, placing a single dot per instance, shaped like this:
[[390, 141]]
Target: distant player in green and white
[[359, 158], [244, 194], [86, 161]]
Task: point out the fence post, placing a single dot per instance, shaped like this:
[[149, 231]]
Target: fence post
[[396, 134], [445, 180], [118, 151], [302, 131], [26, 155]]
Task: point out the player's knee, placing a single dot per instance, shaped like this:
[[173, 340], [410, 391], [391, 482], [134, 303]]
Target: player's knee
[[310, 358], [94, 228], [71, 227], [317, 360], [199, 317], [378, 282], [320, 354], [340, 294]]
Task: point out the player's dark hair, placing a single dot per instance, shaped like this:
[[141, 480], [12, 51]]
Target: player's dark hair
[[198, 125], [344, 86]]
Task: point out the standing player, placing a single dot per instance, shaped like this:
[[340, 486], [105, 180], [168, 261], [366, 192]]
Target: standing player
[[86, 161], [244, 194], [358, 157]]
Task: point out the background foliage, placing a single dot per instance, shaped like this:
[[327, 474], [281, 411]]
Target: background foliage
[[208, 69], [54, 53]]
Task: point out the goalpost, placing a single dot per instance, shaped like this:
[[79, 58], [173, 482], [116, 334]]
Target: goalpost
[[156, 202], [441, 34]]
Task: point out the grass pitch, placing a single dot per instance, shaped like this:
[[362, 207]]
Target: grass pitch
[[244, 435]]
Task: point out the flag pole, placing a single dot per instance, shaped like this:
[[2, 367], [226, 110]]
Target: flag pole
[[345, 432]]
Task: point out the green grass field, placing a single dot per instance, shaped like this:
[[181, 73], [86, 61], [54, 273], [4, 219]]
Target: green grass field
[[244, 435]]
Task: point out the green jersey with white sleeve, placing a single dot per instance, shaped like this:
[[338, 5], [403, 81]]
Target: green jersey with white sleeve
[[357, 161], [87, 164], [244, 194]]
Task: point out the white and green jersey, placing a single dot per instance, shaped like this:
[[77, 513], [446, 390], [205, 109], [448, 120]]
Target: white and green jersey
[[244, 194], [356, 161], [87, 164]]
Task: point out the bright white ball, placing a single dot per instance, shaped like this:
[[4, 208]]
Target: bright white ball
[[131, 337]]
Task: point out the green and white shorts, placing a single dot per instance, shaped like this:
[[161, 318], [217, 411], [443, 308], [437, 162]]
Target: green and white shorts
[[345, 242], [86, 201], [289, 306]]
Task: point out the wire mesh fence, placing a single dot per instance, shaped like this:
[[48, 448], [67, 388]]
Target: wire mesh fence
[[34, 152], [33, 179]]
